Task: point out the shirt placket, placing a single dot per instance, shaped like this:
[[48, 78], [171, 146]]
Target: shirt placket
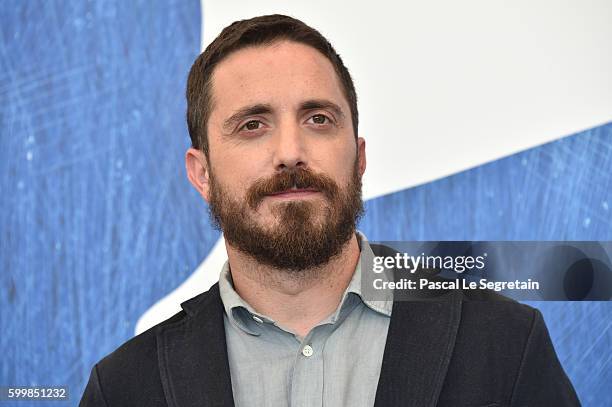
[[308, 376]]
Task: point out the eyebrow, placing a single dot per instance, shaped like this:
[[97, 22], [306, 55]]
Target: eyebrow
[[322, 104], [261, 108], [246, 111]]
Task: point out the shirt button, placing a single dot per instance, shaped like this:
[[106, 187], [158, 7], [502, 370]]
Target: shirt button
[[307, 351], [257, 319]]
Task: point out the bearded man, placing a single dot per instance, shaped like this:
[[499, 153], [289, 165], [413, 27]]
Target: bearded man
[[272, 115]]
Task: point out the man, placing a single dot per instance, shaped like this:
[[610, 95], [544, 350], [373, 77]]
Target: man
[[272, 114]]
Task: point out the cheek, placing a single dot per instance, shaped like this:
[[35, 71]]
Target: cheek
[[343, 163], [237, 180], [230, 167]]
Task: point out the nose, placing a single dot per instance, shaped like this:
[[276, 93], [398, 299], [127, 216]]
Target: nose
[[289, 148]]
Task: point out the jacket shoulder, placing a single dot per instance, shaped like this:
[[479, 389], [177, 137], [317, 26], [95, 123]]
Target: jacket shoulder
[[130, 374], [504, 347], [491, 314], [142, 346]]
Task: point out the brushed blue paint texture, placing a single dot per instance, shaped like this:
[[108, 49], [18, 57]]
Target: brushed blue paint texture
[[97, 220], [557, 191]]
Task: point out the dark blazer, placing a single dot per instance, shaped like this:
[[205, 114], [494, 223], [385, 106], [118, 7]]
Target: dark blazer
[[457, 349]]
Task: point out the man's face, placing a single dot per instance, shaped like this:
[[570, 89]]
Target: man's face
[[284, 169]]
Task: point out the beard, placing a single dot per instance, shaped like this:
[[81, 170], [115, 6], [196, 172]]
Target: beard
[[299, 238]]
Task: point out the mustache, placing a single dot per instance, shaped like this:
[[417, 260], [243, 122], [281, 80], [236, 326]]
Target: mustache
[[299, 177]]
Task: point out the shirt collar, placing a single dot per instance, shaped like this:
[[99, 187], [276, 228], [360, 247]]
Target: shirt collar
[[242, 315]]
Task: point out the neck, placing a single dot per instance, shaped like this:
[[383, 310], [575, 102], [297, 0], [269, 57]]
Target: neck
[[297, 302]]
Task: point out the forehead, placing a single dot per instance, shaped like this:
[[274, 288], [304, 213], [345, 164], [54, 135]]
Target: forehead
[[281, 73]]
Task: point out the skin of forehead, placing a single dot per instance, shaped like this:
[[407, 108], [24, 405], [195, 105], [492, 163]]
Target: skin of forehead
[[232, 71]]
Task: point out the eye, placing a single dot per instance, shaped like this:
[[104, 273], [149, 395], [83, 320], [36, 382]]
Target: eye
[[251, 125], [320, 119]]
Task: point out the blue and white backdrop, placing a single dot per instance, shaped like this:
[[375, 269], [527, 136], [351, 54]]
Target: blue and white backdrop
[[484, 120]]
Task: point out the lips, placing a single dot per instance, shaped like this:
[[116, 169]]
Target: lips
[[295, 191], [295, 183]]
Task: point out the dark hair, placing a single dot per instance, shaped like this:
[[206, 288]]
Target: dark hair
[[262, 30]]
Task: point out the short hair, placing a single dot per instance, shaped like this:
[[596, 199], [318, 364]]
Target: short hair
[[257, 31]]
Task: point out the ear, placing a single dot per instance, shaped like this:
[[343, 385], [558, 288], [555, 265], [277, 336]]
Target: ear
[[361, 155], [197, 172]]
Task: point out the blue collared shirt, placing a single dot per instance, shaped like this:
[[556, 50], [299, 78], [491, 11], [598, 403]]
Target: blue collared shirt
[[336, 364]]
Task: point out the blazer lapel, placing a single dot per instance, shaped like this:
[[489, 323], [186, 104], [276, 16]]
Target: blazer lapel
[[193, 355], [419, 346]]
